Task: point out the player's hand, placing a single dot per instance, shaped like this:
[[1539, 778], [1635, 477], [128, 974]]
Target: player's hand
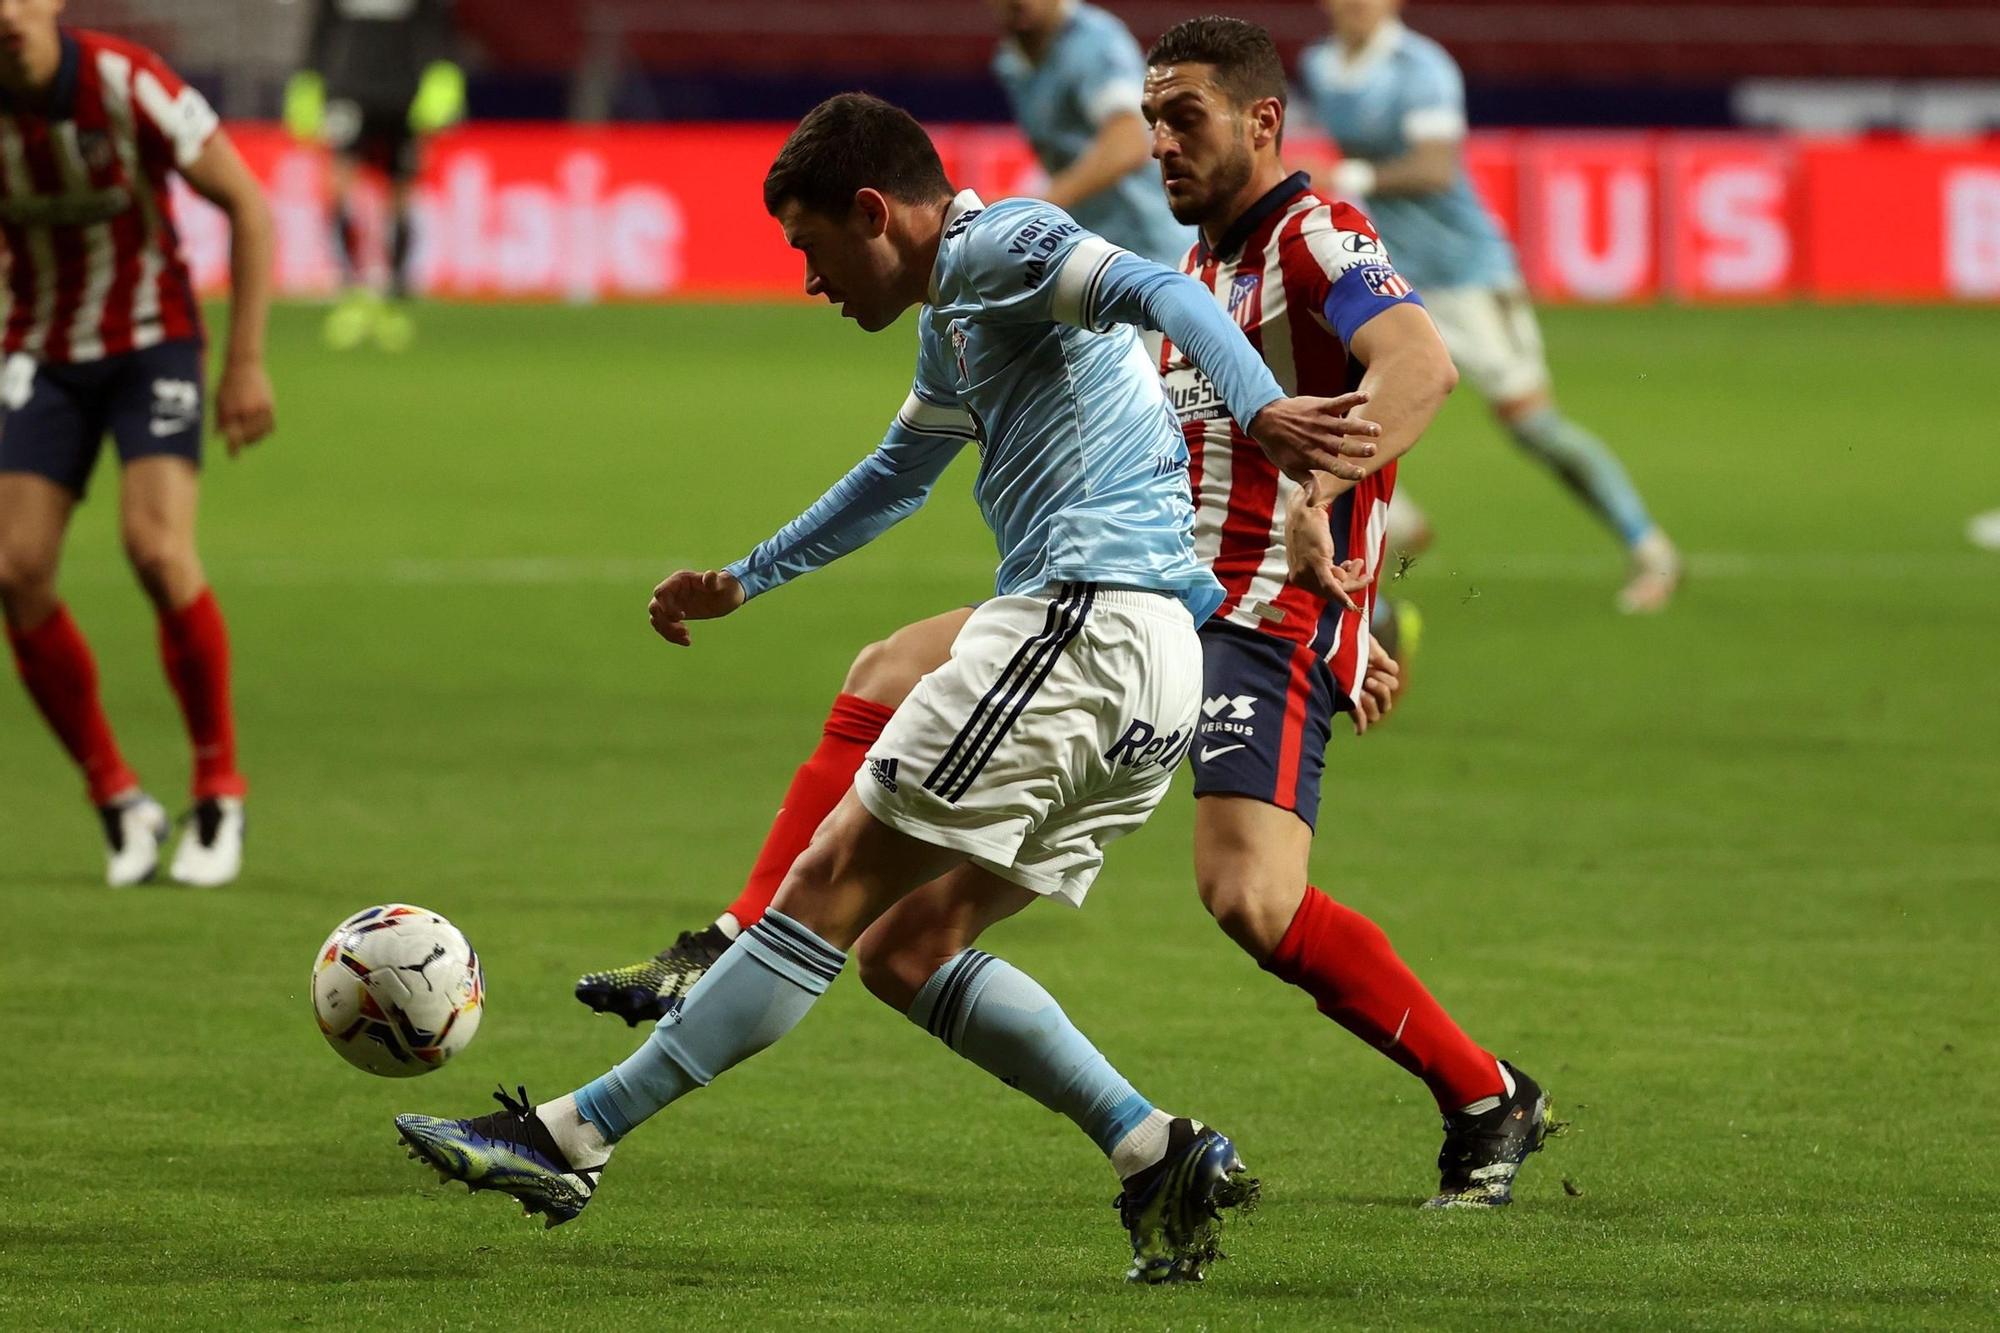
[[687, 595], [1380, 688], [1309, 552], [1303, 434], [244, 409]]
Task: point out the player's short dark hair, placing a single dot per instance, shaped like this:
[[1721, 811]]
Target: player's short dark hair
[[1243, 55], [853, 142]]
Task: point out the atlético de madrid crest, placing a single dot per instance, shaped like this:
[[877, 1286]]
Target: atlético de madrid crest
[[1240, 288]]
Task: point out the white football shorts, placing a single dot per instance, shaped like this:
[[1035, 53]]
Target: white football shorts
[[1055, 727], [1493, 337]]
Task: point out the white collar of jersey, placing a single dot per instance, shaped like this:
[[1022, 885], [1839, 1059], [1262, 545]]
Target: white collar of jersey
[[1351, 67], [965, 201]]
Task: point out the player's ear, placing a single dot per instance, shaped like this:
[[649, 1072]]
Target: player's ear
[[1267, 118], [872, 210]]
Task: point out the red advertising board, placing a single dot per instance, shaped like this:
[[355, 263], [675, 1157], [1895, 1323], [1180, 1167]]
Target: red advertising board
[[654, 212]]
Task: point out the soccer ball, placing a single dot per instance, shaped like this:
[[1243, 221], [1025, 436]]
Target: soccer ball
[[397, 990]]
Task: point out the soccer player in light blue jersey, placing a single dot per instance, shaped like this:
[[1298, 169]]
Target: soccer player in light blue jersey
[[1072, 73], [1395, 103], [1067, 701]]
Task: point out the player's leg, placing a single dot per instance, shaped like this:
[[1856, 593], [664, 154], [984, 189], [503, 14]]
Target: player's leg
[[864, 856], [353, 316], [157, 423], [549, 1156], [877, 682], [918, 959], [400, 154], [1257, 785], [1494, 337], [47, 448]]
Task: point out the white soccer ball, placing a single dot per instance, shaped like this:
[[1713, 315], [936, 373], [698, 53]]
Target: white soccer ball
[[397, 990]]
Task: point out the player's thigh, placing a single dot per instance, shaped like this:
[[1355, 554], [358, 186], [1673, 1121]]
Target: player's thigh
[[1493, 338], [886, 671], [157, 500], [1266, 717], [912, 940], [1250, 865], [855, 868]]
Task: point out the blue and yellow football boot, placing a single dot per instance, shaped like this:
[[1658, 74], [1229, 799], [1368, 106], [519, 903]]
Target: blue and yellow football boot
[[1173, 1209], [509, 1150]]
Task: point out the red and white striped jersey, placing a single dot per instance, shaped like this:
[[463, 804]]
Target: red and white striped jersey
[[1296, 272], [94, 265]]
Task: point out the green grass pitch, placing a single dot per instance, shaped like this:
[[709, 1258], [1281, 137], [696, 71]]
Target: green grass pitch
[[1725, 880]]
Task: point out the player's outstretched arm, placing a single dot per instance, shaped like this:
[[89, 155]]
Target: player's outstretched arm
[[245, 411], [877, 493], [1102, 285]]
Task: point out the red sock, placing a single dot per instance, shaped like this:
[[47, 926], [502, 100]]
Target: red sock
[[194, 646], [1345, 962], [55, 664], [816, 788]]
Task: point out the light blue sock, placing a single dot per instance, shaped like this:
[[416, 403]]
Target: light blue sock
[[994, 1015], [1588, 467], [754, 994]]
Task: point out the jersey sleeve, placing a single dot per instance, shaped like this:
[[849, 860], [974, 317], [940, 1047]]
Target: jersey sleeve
[[1110, 75], [1433, 98], [1346, 271], [1025, 261], [173, 119], [877, 493]]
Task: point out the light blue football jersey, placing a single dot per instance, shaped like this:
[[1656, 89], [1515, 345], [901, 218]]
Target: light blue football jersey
[[1405, 87], [1092, 69], [1029, 349]]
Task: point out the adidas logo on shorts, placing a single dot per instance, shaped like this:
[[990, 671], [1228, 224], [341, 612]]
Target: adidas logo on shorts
[[883, 771]]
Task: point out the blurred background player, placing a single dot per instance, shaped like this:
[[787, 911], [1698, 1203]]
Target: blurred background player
[[103, 336], [379, 78], [1395, 103], [1072, 73]]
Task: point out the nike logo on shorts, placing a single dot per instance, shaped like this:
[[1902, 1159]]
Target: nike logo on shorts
[[1208, 754]]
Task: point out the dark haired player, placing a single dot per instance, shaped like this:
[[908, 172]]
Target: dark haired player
[[379, 78], [1057, 722], [103, 336], [1309, 283]]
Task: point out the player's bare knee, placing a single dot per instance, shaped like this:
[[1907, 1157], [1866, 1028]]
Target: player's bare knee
[[893, 969], [1253, 905], [165, 565], [27, 573]]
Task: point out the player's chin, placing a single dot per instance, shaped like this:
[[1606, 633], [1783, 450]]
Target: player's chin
[[1184, 202]]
